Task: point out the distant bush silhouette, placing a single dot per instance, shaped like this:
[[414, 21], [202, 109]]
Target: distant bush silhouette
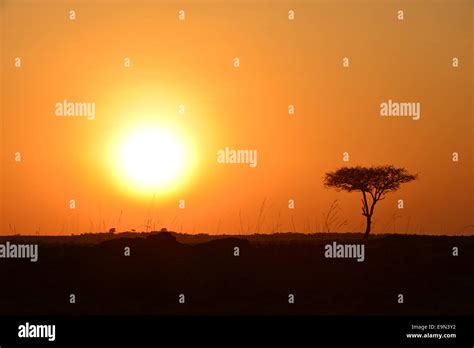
[[374, 181], [162, 236]]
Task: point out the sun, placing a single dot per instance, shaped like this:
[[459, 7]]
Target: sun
[[152, 159]]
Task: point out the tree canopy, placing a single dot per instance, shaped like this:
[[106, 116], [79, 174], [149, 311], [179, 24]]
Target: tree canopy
[[377, 179]]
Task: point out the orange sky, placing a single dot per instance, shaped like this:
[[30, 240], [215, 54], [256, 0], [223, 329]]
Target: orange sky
[[190, 62]]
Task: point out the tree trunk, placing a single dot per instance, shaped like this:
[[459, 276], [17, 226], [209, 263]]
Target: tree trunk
[[367, 228]]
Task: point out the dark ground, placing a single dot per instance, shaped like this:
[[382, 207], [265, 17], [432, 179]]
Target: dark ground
[[215, 282]]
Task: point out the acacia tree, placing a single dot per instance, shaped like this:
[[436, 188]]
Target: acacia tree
[[373, 182]]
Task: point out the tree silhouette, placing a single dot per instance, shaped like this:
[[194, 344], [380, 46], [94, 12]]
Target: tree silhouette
[[374, 181]]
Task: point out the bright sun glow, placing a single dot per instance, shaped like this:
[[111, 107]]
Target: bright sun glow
[[152, 159]]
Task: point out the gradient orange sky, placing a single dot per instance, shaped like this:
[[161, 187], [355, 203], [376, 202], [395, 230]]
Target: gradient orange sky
[[191, 63]]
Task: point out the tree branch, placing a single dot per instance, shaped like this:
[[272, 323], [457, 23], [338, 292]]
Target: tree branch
[[365, 207]]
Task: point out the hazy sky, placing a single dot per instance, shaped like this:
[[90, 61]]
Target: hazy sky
[[282, 62]]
